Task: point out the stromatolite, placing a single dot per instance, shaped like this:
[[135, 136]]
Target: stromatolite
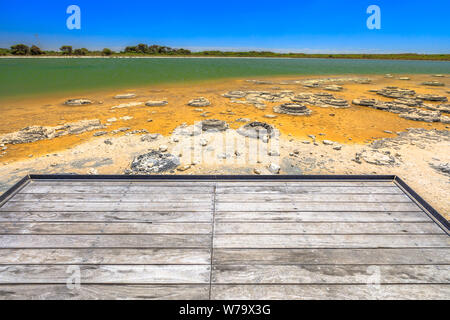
[[156, 103], [257, 129], [77, 102], [199, 102], [212, 125], [154, 161], [292, 109]]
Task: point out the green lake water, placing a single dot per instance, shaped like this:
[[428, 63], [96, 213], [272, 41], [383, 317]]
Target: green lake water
[[26, 77]]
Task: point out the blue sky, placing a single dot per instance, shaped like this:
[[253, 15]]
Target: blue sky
[[283, 26]]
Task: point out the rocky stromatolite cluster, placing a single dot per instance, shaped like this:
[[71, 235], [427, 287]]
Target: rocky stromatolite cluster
[[390, 106], [333, 87], [199, 102], [235, 94], [409, 105], [375, 157], [405, 111], [258, 98], [154, 161], [214, 125], [257, 130], [314, 83], [77, 102], [432, 97], [443, 108], [325, 83], [395, 92], [294, 109], [320, 99], [422, 115], [36, 133], [433, 83]]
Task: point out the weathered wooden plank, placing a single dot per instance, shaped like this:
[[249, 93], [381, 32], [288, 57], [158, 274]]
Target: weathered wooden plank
[[311, 206], [125, 197], [105, 241], [330, 241], [333, 292], [202, 197], [105, 256], [111, 274], [332, 256], [304, 183], [149, 183], [106, 206], [157, 189], [293, 190], [105, 216], [221, 183], [308, 216], [342, 274], [102, 228], [107, 292], [326, 227], [310, 197]]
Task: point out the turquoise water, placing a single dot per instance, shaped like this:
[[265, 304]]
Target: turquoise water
[[19, 77]]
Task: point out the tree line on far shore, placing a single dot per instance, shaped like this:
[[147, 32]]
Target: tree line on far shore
[[66, 50], [157, 50], [24, 50]]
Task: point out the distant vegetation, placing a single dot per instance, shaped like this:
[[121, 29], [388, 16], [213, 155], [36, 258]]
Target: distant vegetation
[[156, 50]]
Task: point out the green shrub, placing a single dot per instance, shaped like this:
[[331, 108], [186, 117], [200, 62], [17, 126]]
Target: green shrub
[[66, 50], [107, 52], [20, 50], [35, 50]]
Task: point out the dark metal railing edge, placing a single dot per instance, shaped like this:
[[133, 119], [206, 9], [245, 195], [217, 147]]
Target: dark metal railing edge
[[13, 189], [440, 218], [209, 177]]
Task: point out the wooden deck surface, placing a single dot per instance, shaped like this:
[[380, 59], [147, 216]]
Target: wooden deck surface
[[230, 239]]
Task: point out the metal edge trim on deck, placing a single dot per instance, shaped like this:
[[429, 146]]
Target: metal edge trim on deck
[[426, 207], [14, 189], [440, 220], [208, 177]]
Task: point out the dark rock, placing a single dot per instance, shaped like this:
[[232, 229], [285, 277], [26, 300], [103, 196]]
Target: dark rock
[[36, 133], [441, 167], [100, 133], [154, 162]]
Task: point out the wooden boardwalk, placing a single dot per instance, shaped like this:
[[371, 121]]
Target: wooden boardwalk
[[220, 239]]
